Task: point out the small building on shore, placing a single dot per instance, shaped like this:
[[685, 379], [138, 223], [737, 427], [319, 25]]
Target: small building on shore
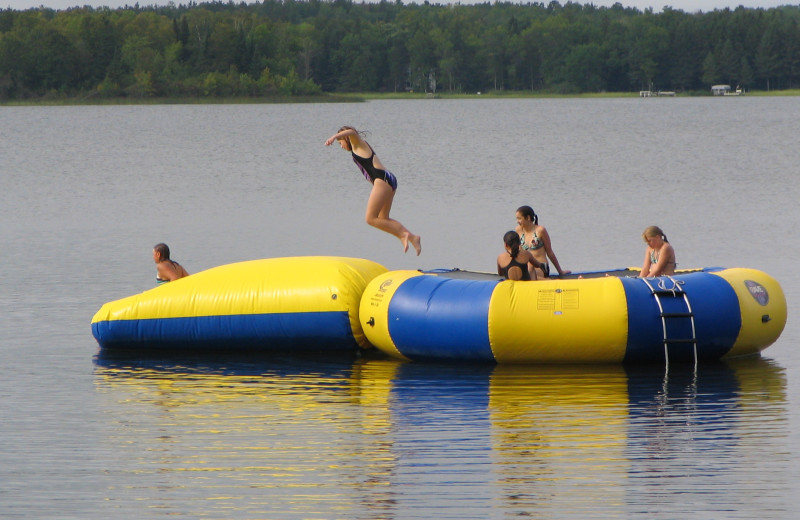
[[725, 90], [720, 90]]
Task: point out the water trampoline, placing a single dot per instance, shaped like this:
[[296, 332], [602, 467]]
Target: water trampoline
[[338, 305]]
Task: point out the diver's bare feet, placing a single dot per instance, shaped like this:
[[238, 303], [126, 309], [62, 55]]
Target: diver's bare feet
[[416, 241], [404, 240]]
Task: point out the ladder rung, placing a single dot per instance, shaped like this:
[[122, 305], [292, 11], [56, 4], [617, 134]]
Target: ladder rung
[[687, 340]]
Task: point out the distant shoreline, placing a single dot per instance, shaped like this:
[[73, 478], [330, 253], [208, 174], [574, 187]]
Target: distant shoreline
[[354, 98], [544, 95]]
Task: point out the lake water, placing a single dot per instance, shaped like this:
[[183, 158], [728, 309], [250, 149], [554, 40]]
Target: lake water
[[85, 192]]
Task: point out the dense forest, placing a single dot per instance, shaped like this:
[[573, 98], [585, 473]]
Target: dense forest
[[308, 47]]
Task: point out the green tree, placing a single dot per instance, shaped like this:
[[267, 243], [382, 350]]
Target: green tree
[[745, 77], [768, 57], [687, 55], [584, 68], [495, 56], [278, 47], [650, 44], [143, 85], [710, 69], [422, 60], [360, 58], [728, 62]]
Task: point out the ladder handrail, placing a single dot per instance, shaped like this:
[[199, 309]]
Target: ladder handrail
[[675, 290]]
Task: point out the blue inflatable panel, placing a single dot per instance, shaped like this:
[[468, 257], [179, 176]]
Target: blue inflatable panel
[[437, 317], [714, 305], [305, 332]]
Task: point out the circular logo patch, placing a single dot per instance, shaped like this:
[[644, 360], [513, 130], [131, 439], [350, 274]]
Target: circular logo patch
[[757, 291]]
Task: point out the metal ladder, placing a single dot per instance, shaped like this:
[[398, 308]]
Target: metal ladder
[[676, 293]]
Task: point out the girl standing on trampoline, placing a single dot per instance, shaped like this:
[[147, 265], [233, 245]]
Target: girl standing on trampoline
[[384, 185]]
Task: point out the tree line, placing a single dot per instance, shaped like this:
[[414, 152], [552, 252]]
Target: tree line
[[309, 47]]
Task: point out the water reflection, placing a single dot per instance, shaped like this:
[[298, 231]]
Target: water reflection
[[559, 434], [718, 437], [249, 436], [376, 438], [608, 442]]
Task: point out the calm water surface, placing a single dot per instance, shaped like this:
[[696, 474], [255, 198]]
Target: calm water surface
[[85, 192]]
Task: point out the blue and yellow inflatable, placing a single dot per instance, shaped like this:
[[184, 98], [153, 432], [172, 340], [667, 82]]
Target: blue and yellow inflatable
[[288, 304], [708, 314], [335, 304]]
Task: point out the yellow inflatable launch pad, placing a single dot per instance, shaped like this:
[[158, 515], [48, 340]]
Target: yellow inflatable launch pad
[[289, 304]]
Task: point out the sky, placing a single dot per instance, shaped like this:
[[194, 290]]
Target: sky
[[689, 6]]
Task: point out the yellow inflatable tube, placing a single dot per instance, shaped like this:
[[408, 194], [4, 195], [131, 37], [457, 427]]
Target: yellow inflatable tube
[[554, 322], [306, 303]]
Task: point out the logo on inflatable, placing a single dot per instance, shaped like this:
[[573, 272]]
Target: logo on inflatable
[[757, 291], [384, 285]]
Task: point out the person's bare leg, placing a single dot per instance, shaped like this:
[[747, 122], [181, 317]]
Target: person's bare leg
[[415, 240], [378, 207]]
